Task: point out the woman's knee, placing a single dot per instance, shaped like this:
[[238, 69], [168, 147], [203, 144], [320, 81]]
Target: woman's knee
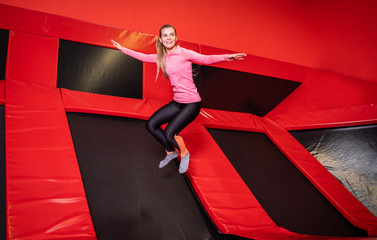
[[150, 126], [170, 137]]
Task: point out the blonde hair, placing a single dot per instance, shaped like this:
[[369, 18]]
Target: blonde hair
[[161, 51]]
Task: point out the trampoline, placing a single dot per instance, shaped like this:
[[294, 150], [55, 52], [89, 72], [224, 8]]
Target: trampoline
[[126, 190], [80, 165]]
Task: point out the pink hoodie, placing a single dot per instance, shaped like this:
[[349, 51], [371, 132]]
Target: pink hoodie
[[178, 67]]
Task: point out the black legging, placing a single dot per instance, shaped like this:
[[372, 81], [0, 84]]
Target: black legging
[[178, 116]]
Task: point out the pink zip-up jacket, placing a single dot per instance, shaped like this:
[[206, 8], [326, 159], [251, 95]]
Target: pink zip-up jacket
[[179, 70]]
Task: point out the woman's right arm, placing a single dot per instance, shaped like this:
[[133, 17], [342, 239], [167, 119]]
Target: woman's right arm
[[152, 58]]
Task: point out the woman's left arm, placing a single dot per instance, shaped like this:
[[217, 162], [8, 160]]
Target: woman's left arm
[[210, 59]]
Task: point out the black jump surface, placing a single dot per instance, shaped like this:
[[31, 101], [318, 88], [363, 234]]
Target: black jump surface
[[236, 91], [4, 36], [129, 196], [101, 70], [284, 193]]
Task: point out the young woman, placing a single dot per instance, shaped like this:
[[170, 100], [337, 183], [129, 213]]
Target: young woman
[[175, 63]]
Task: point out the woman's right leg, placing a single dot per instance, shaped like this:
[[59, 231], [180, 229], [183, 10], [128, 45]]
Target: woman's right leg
[[163, 115], [160, 117]]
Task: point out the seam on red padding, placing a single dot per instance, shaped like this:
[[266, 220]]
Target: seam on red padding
[[76, 101]]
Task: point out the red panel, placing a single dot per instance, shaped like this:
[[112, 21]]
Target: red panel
[[75, 101], [231, 120], [323, 180], [45, 196], [32, 58], [2, 92], [351, 116], [327, 100], [22, 20]]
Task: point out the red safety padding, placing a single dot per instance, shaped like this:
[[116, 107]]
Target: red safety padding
[[2, 92], [75, 101], [341, 117], [45, 197], [328, 100], [44, 24], [322, 179], [32, 58], [231, 120]]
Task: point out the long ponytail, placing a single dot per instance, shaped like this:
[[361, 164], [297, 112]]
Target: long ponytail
[[161, 52], [160, 58]]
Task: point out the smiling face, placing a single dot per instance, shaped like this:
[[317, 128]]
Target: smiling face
[[168, 38]]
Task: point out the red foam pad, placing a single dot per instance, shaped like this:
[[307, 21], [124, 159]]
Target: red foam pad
[[328, 100], [230, 120], [75, 101], [36, 64], [45, 24], [45, 196], [322, 179], [338, 117]]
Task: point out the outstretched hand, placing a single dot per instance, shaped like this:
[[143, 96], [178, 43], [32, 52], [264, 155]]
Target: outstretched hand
[[236, 56], [117, 45]]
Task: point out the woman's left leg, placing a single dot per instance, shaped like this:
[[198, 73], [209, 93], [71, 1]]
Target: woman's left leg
[[164, 115], [187, 114]]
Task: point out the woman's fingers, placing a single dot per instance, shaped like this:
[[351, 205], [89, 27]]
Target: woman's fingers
[[117, 45], [237, 56]]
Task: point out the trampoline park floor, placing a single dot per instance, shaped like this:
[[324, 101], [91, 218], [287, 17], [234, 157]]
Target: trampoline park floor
[[128, 194]]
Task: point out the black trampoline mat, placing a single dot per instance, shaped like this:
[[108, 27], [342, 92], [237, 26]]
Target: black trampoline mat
[[350, 154], [128, 195], [284, 193], [4, 38], [94, 69], [245, 92]]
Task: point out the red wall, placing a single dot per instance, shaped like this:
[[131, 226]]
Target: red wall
[[337, 35]]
